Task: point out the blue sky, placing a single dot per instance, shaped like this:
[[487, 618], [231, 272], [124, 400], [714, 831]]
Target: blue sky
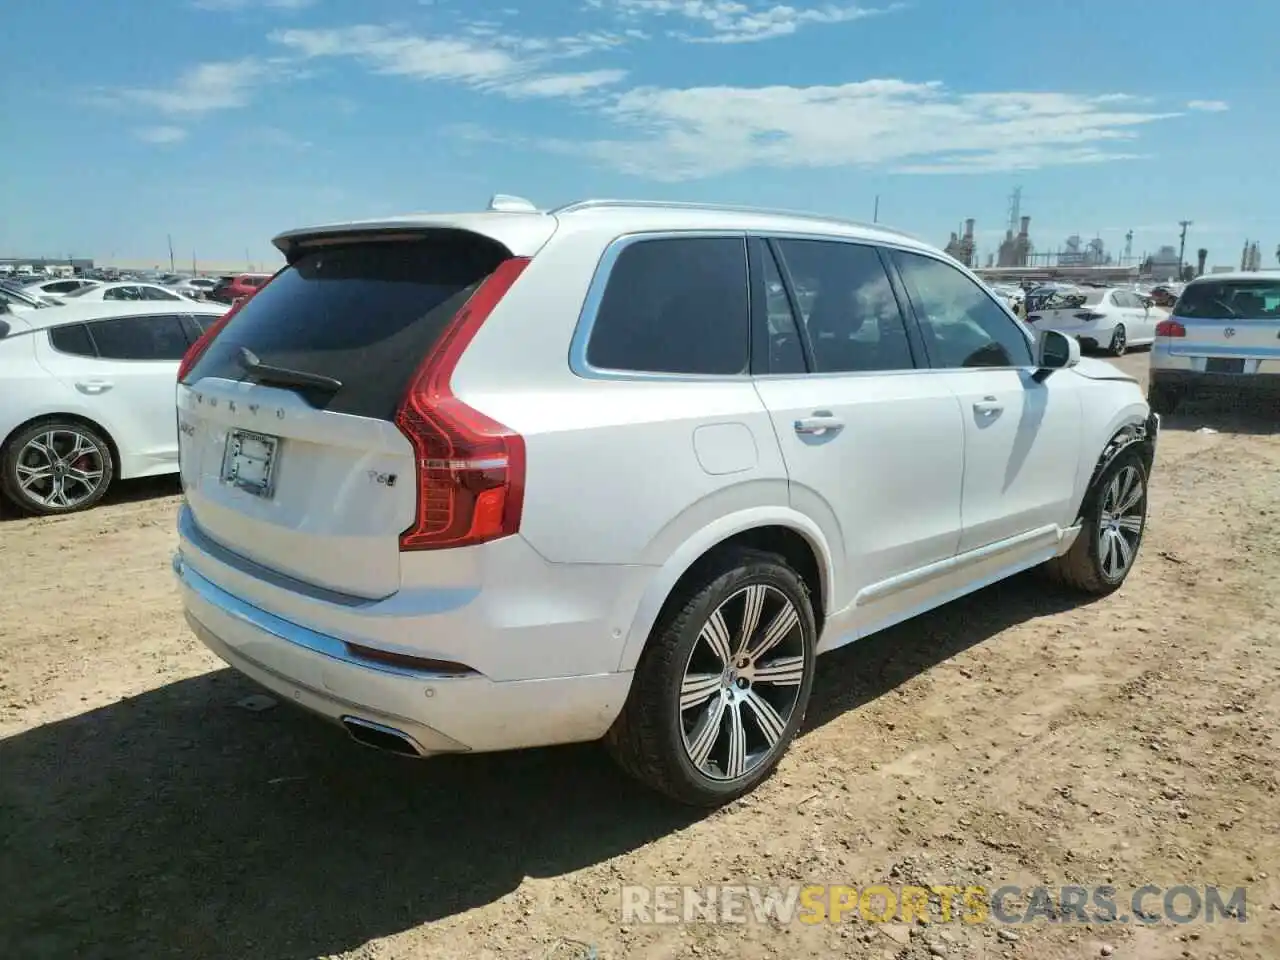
[[223, 122]]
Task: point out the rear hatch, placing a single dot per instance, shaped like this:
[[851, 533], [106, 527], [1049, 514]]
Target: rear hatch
[[290, 453], [1228, 320]]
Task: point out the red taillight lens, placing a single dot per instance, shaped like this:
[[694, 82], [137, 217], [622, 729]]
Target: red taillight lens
[[470, 468], [1089, 315], [1170, 328]]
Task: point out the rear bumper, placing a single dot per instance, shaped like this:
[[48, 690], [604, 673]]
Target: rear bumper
[[1189, 381], [438, 712]]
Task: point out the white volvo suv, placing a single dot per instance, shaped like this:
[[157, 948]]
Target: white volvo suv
[[621, 470]]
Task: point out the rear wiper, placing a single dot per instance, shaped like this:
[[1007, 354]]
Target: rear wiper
[[267, 373]]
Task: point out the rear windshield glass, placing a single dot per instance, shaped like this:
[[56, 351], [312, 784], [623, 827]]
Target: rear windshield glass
[[364, 314], [1230, 300]]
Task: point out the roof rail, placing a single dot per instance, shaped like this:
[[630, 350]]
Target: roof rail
[[580, 205]]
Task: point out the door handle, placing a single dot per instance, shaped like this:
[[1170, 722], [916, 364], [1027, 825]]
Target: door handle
[[988, 406], [94, 386], [819, 423]]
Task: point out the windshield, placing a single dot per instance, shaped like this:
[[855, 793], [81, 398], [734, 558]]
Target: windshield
[[1231, 300]]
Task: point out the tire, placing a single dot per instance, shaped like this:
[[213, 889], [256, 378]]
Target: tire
[[688, 753], [1163, 400], [1087, 565], [81, 467], [1119, 341]]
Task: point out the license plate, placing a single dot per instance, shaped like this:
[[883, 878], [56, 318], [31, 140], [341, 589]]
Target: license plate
[[1224, 365], [249, 462]]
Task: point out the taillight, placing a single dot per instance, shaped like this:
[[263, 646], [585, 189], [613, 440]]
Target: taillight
[[1170, 328], [1033, 318], [1089, 315], [469, 468]]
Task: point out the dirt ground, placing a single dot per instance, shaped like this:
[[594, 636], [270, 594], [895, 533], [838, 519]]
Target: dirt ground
[[1018, 736]]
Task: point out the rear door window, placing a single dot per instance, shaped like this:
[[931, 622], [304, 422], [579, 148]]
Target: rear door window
[[139, 338], [364, 314], [676, 306]]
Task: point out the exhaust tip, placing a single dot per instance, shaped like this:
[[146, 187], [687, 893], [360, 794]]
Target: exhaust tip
[[380, 737]]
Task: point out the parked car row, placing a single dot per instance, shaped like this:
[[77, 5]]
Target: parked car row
[[225, 289]]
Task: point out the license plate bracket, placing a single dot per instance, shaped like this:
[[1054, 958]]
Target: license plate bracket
[[1224, 365], [249, 462]]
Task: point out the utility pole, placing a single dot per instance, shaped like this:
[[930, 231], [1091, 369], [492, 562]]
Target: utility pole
[[875, 216], [172, 268], [1182, 246]]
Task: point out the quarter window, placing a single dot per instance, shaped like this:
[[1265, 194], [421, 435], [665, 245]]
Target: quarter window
[[963, 326], [139, 338], [72, 339], [675, 305], [848, 306]]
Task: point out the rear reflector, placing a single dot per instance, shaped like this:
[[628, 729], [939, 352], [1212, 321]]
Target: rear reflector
[[1170, 328], [469, 468], [406, 661]]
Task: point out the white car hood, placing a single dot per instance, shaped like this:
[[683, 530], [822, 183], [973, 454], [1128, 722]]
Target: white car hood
[[1095, 369]]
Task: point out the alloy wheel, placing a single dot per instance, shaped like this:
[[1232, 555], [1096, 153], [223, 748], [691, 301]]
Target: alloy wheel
[[1120, 522], [60, 468], [741, 682]]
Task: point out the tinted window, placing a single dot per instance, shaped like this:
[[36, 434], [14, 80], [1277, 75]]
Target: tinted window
[[786, 355], [1230, 300], [139, 338], [964, 327], [675, 306], [848, 306], [364, 314], [155, 293], [73, 339], [61, 286], [122, 293]]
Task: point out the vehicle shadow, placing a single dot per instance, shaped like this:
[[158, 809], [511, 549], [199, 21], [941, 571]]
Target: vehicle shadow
[[122, 491], [1251, 416], [175, 824]]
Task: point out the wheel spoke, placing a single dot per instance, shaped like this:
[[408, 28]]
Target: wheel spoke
[[29, 475], [706, 733], [783, 623], [1108, 552], [716, 633], [1125, 551], [1131, 500], [736, 765], [753, 606], [698, 688], [771, 724], [782, 672], [43, 445], [58, 495], [1131, 524], [80, 446]]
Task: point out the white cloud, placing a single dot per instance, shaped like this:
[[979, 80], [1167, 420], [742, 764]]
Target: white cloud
[[202, 89], [908, 127], [161, 134], [741, 21], [515, 66], [1208, 106]]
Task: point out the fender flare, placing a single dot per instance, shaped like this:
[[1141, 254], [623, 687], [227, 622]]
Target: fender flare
[[697, 546], [1131, 432]]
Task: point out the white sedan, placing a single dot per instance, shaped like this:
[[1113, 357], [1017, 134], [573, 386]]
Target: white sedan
[[1111, 319], [126, 292], [87, 397]]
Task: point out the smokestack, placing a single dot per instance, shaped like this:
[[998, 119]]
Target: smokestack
[[1024, 227], [968, 228]]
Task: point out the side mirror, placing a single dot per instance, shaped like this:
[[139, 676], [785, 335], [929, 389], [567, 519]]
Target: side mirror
[[1056, 351]]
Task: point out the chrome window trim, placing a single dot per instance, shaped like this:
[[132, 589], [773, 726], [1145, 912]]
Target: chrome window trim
[[595, 295]]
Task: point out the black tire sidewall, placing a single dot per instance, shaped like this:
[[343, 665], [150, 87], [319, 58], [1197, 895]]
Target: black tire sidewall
[[9, 466], [755, 570], [1126, 458], [1124, 344]]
